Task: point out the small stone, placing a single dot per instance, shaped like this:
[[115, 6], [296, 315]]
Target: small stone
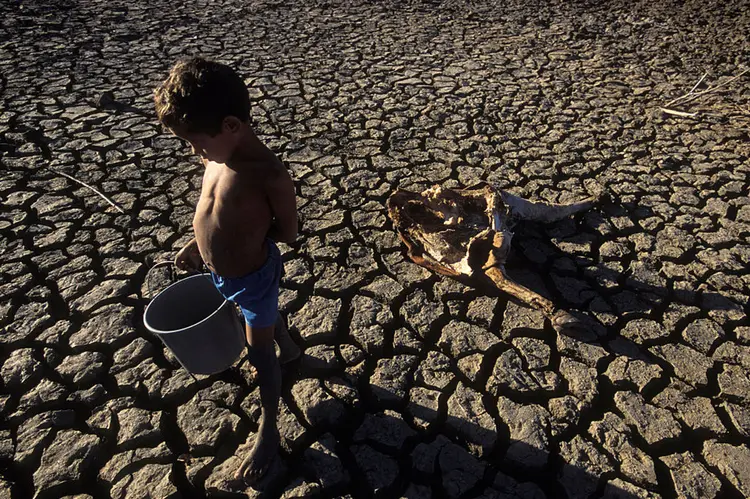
[[386, 429], [205, 422], [434, 371], [65, 460], [615, 437], [388, 381], [138, 428], [689, 365], [21, 369], [468, 417], [691, 478], [368, 319], [380, 470], [624, 372], [482, 310], [529, 433], [404, 341], [320, 359], [644, 331], [732, 461], [734, 381], [319, 408], [521, 317], [740, 416], [654, 424], [423, 406], [460, 470], [324, 464], [317, 320], [703, 334], [583, 467], [420, 312], [82, 369]]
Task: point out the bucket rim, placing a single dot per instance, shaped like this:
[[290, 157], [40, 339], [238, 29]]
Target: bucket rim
[[174, 331]]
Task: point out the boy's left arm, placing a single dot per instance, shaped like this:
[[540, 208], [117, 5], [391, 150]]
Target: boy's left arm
[[283, 201]]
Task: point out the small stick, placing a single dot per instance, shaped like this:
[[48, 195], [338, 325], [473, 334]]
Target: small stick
[[117, 207], [707, 91], [677, 113], [699, 82], [689, 93]]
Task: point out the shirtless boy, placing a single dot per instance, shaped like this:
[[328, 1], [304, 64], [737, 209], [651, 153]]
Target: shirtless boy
[[247, 203]]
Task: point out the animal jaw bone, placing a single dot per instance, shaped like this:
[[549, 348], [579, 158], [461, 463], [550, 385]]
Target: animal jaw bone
[[467, 233]]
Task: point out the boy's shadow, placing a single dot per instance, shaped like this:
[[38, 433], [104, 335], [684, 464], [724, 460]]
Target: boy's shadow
[[379, 455]]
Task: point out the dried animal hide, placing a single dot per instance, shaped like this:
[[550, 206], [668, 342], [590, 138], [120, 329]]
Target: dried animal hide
[[467, 233]]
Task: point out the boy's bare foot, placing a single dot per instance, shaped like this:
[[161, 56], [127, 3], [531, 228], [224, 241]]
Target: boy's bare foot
[[256, 464], [289, 350]]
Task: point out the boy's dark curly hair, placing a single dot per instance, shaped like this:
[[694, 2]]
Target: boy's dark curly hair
[[197, 96]]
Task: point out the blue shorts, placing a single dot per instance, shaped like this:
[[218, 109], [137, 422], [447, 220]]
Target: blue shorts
[[256, 293]]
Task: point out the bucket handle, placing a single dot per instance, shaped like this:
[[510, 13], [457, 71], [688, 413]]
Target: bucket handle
[[147, 281], [172, 276]]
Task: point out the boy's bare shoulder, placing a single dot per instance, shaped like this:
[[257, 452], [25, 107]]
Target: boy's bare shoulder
[[270, 168]]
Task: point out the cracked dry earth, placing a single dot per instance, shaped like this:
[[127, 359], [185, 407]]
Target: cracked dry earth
[[411, 385]]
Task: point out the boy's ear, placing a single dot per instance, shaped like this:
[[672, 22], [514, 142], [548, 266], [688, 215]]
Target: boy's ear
[[231, 124]]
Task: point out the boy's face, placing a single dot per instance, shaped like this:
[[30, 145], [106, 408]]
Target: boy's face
[[217, 148]]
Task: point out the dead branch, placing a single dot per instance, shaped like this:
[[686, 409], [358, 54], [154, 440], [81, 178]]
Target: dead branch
[[115, 205], [692, 95], [677, 113]]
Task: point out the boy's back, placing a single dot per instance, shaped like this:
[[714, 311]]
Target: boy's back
[[234, 216]]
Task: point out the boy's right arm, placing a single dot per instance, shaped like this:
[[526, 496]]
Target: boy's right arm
[[283, 201], [189, 257]]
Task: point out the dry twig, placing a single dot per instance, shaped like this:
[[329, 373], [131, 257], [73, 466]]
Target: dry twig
[[677, 113], [116, 206], [692, 95]]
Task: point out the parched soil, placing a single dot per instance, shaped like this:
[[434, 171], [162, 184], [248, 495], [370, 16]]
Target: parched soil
[[411, 385]]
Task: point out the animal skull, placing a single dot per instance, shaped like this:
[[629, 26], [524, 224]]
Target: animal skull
[[466, 233]]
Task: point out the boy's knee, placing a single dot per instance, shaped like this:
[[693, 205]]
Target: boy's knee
[[259, 336]]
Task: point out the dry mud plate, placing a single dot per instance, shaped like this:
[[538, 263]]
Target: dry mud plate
[[411, 385]]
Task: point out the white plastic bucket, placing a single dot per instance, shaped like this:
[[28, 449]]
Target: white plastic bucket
[[197, 324]]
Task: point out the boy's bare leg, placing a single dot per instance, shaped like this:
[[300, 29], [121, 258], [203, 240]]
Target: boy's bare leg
[[289, 349], [262, 355]]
